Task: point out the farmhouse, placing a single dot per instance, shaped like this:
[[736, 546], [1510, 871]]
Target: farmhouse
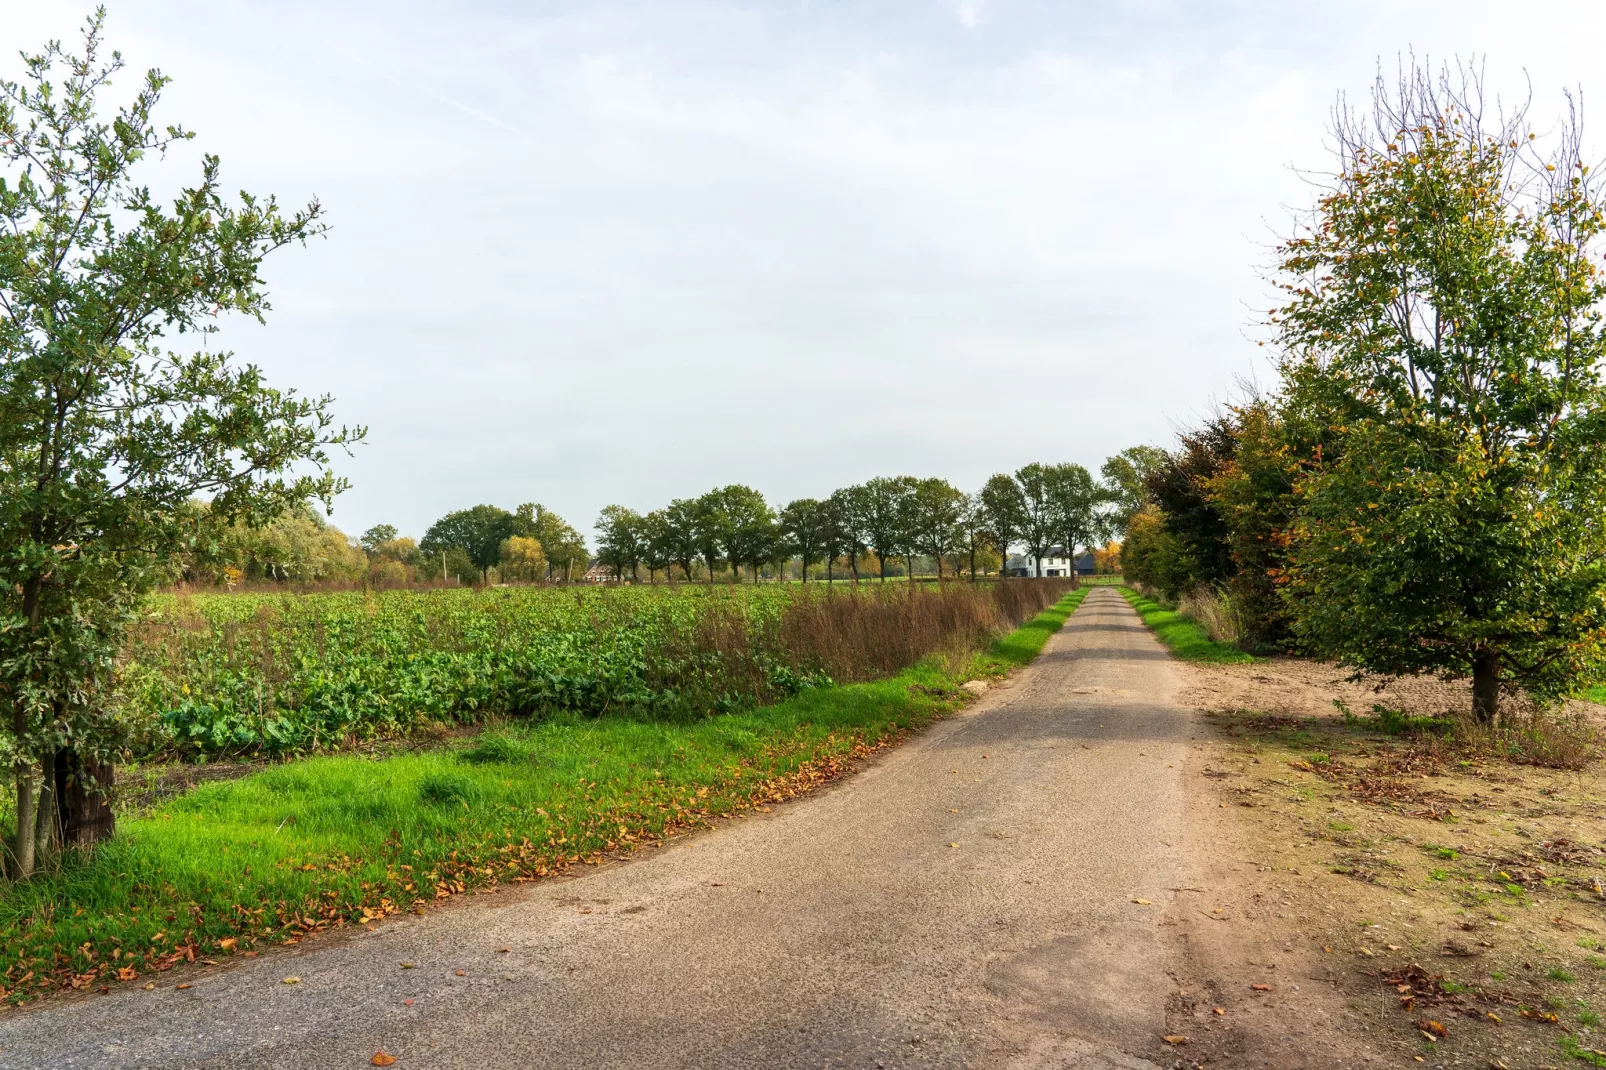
[[1056, 562]]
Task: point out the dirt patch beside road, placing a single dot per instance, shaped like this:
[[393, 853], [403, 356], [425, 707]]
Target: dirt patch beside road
[[1451, 899]]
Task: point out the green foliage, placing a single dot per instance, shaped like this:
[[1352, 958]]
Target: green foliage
[[623, 540], [298, 547], [802, 530], [936, 508], [337, 839], [221, 674], [887, 506], [1126, 483], [106, 433], [1183, 635], [478, 533], [286, 674], [561, 545], [1195, 551], [1443, 321]]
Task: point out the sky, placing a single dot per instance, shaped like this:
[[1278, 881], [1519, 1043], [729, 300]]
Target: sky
[[598, 253]]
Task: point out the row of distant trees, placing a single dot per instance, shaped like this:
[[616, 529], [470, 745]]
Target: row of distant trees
[[881, 522]]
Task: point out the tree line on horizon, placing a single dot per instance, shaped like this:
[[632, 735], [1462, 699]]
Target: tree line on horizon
[[885, 523]]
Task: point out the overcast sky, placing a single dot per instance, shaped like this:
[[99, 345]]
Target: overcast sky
[[591, 253]]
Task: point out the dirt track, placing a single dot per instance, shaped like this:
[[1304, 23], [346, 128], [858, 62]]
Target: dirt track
[[1009, 889]]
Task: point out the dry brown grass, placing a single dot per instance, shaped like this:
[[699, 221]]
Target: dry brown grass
[[853, 635]]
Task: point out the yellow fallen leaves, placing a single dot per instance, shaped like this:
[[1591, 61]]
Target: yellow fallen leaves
[[1143, 902], [1174, 1039], [383, 1058], [953, 845], [227, 943], [291, 981]]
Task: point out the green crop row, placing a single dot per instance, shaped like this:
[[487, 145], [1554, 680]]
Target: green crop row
[[284, 674]]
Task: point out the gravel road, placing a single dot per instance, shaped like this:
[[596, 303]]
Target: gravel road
[[974, 898]]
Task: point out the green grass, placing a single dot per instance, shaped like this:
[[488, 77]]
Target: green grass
[[1597, 694], [338, 840], [1183, 635]]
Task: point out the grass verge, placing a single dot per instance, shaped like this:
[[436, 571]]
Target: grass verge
[[1597, 694], [329, 841], [1183, 635]]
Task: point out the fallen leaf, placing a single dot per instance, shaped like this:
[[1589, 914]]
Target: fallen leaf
[[716, 884], [503, 950], [183, 986], [1393, 947], [1221, 1010], [150, 985], [1432, 1028], [409, 965], [1492, 1016], [383, 1058], [1261, 988], [126, 973], [1174, 1038], [1143, 902], [462, 973], [227, 943], [292, 981], [953, 845]]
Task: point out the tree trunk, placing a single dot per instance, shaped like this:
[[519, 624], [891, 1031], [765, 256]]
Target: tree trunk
[[47, 825], [23, 849], [1486, 686], [83, 798]]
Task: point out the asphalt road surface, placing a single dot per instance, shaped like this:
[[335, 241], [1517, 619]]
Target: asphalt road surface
[[969, 899]]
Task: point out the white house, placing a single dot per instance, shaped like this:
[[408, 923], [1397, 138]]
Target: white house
[[1056, 562]]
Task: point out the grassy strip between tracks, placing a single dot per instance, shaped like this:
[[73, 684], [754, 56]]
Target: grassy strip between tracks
[[330, 841], [1186, 638]]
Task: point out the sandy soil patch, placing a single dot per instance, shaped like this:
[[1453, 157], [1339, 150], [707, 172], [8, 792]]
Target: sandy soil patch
[[1452, 902]]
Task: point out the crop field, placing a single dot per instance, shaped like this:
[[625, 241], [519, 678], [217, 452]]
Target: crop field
[[232, 674]]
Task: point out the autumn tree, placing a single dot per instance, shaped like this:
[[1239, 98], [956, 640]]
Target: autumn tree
[[107, 432], [521, 560], [1443, 319], [563, 547]]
